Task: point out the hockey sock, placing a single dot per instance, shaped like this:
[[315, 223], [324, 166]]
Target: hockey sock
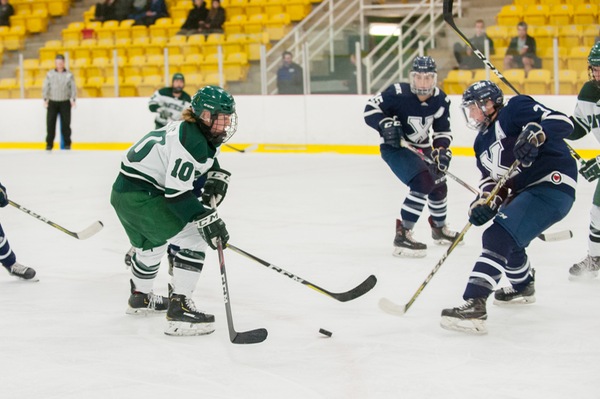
[[412, 208], [497, 247], [438, 205], [145, 264], [7, 256], [187, 266], [518, 269]]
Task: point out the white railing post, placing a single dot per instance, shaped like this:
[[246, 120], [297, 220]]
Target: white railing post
[[555, 59], [263, 70]]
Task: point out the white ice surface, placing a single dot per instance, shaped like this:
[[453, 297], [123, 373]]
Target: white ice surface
[[327, 218]]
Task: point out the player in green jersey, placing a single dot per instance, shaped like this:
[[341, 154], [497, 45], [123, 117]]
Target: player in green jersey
[[154, 200], [169, 102]]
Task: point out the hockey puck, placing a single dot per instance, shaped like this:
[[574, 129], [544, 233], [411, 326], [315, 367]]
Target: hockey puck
[[325, 332]]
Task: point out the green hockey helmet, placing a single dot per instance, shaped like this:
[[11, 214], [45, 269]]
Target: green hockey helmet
[[214, 109], [178, 76], [594, 62]]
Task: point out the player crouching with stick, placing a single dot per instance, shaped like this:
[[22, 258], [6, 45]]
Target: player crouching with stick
[[538, 195], [154, 200]]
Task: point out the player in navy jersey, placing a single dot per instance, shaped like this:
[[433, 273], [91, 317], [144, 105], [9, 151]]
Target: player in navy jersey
[[539, 194], [416, 115]]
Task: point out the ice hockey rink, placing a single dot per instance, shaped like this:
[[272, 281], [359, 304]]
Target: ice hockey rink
[[327, 218]]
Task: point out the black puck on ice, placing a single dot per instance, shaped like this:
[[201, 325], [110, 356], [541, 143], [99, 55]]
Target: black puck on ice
[[325, 332]]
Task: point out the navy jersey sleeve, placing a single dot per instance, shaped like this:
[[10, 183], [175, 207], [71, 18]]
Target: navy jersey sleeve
[[441, 124], [378, 107]]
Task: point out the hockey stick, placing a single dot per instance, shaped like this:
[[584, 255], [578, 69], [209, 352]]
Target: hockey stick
[[81, 235], [250, 148], [392, 308], [449, 18], [354, 293], [246, 337]]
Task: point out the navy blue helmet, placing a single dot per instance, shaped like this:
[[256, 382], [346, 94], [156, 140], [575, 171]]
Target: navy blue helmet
[[423, 76], [479, 93]]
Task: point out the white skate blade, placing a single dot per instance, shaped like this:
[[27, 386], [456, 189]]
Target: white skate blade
[[468, 326], [35, 279], [443, 241], [183, 329], [584, 276], [524, 300], [409, 253], [144, 311]]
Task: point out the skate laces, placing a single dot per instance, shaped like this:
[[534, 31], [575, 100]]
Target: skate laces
[[190, 305], [509, 290], [468, 303], [409, 237], [18, 268], [154, 300]]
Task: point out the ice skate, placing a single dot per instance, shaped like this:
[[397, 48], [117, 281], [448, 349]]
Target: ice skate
[[469, 317], [405, 245], [443, 235], [185, 320], [587, 269], [22, 272], [144, 304], [511, 296]]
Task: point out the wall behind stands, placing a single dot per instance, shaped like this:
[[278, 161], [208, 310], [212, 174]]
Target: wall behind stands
[[285, 121]]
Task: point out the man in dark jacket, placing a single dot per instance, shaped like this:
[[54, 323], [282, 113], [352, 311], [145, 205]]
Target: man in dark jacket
[[289, 76], [6, 10], [521, 52]]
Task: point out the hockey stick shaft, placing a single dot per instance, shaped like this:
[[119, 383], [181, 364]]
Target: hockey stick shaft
[[82, 235], [354, 293], [247, 337], [449, 18], [244, 150], [387, 304]]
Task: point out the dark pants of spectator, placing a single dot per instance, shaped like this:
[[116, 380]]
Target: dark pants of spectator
[[55, 108]]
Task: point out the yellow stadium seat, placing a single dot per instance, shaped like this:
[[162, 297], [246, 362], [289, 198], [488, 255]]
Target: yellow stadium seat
[[21, 8], [235, 24], [550, 2], [583, 77], [129, 86], [107, 89], [210, 64], [536, 14], [570, 35], [537, 82], [124, 29], [175, 26], [585, 14], [133, 67], [49, 51], [255, 23], [510, 15], [213, 41], [567, 82], [160, 27], [107, 30], [149, 85], [236, 7], [195, 45], [457, 81], [214, 79], [33, 89], [192, 64], [154, 65], [498, 57], [254, 7], [273, 7], [98, 67], [103, 48], [84, 50], [175, 61], [589, 35], [79, 68], [577, 59], [15, 38], [235, 67], [91, 87], [498, 34], [38, 21], [234, 43], [278, 26], [547, 57], [561, 14], [194, 80], [138, 31], [254, 43], [544, 36], [57, 8], [157, 46], [138, 46], [178, 12], [524, 3], [45, 66], [20, 18], [298, 9]]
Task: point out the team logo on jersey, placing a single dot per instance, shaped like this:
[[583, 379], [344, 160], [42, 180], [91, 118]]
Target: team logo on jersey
[[556, 178]]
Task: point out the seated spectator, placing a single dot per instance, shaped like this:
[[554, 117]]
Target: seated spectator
[[154, 10], [464, 54], [122, 9], [196, 15], [521, 52], [215, 19], [105, 11], [6, 10]]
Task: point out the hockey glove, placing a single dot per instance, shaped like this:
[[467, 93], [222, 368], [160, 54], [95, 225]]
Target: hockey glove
[[482, 212], [391, 131], [164, 114], [3, 196], [526, 148], [212, 228], [591, 169], [216, 186], [441, 158]]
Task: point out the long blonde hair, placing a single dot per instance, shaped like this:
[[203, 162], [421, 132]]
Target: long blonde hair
[[188, 115]]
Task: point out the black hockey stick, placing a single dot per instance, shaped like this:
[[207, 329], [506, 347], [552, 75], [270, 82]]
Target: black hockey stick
[[354, 293], [250, 148], [392, 308], [246, 337], [81, 235], [449, 18]]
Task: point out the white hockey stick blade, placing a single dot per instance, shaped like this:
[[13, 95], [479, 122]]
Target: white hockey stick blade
[[90, 231], [392, 308], [557, 236]]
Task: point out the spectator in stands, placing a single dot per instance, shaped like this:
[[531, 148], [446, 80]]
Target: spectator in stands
[[289, 76], [196, 15], [215, 19], [521, 52], [122, 9], [59, 92], [464, 54], [154, 10], [105, 11], [6, 10]]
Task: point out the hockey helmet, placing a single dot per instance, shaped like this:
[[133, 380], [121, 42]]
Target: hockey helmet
[[423, 76], [478, 94], [178, 76], [214, 109], [594, 62]]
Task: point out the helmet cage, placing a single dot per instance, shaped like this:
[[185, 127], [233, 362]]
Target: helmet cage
[[594, 62], [480, 93]]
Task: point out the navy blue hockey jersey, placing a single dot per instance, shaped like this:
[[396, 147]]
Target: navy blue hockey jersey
[[417, 118], [494, 148]]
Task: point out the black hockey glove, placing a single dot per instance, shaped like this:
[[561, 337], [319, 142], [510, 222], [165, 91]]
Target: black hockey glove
[[3, 196], [441, 158], [526, 148], [164, 114], [591, 169], [212, 228], [482, 211], [216, 185], [391, 131]]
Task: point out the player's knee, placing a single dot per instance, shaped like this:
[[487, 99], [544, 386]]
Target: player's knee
[[422, 183], [496, 239]]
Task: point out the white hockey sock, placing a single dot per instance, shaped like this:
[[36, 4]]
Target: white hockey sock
[[143, 285], [184, 281]]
